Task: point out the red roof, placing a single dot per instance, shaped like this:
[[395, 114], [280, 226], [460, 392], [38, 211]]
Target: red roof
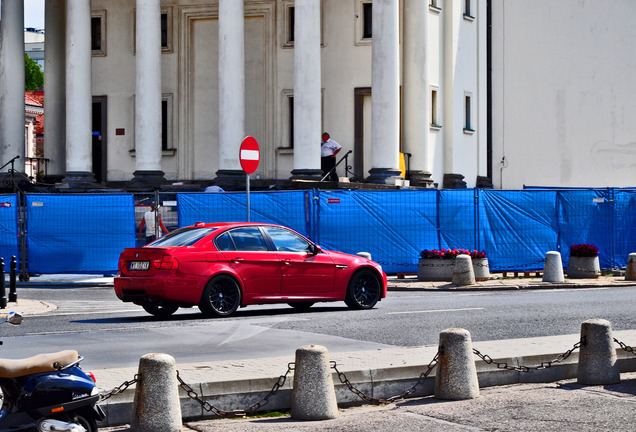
[[36, 98]]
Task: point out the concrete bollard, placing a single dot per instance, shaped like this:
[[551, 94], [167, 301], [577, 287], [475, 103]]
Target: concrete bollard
[[553, 268], [366, 255], [463, 273], [456, 376], [313, 395], [597, 359], [156, 407], [630, 273]]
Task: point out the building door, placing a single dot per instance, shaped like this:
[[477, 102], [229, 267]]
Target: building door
[[362, 132], [99, 139]]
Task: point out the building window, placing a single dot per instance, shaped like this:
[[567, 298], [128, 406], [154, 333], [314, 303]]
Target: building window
[[290, 143], [292, 28], [367, 23], [166, 30], [98, 33], [166, 122], [468, 11], [468, 122], [435, 5], [435, 122]]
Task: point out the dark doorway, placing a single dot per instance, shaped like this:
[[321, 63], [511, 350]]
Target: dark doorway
[[99, 139], [360, 94]]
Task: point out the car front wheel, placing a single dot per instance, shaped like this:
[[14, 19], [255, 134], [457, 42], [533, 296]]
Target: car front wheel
[[363, 291], [221, 297]]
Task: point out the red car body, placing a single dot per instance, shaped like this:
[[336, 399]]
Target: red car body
[[222, 266]]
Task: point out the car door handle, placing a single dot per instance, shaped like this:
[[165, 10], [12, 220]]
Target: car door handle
[[286, 261], [236, 260]]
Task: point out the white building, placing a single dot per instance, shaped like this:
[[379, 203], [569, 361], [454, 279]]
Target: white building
[[165, 90]]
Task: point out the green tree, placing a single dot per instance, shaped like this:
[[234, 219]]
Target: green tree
[[33, 75]]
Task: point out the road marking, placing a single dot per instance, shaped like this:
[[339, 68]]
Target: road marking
[[434, 310]]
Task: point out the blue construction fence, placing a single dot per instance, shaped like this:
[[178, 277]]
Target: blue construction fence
[[85, 233]]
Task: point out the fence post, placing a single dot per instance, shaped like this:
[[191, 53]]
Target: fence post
[[13, 295], [3, 292]]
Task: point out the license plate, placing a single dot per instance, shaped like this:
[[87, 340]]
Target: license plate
[[139, 265]]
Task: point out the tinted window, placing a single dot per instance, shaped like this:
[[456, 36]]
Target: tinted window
[[182, 237], [248, 239], [224, 242], [287, 241]]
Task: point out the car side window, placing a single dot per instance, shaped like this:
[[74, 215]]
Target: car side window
[[248, 239], [287, 241], [224, 242]]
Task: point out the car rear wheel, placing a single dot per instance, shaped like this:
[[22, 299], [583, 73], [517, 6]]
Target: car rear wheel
[[221, 297], [364, 290], [159, 310], [301, 306]]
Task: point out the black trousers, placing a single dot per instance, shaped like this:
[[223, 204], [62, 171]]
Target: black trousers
[[326, 163]]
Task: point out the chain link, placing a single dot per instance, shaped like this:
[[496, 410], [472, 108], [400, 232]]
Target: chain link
[[627, 348], [544, 365], [344, 380], [120, 389], [235, 413]]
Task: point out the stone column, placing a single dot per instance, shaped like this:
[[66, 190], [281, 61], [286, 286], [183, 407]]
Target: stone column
[[148, 171], [385, 84], [79, 108], [55, 85], [231, 89], [416, 112], [452, 17], [12, 83], [307, 91]]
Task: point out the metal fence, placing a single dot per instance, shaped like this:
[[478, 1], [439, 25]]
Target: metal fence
[[84, 233]]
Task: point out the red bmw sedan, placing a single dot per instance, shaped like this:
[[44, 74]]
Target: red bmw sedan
[[220, 267]]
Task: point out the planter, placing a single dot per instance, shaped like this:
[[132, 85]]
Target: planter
[[583, 268], [435, 269], [481, 269]]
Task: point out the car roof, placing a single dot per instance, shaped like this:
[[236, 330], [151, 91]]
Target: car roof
[[231, 224]]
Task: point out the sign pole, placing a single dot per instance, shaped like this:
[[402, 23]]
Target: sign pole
[[247, 183], [249, 156]]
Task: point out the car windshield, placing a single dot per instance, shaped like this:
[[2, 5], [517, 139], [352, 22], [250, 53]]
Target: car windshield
[[182, 237]]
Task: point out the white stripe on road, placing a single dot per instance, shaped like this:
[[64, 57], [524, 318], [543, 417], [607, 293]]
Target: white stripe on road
[[434, 310]]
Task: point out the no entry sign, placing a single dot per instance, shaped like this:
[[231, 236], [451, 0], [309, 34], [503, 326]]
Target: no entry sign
[[249, 155]]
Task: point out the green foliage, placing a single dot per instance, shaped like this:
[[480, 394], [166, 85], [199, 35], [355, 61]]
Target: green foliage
[[33, 75]]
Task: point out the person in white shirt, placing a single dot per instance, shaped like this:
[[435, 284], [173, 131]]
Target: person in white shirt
[[328, 151], [152, 230]]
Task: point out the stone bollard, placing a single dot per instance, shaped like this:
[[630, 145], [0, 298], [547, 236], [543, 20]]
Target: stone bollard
[[366, 255], [156, 407], [597, 359], [553, 268], [463, 273], [630, 273], [456, 377], [313, 395]]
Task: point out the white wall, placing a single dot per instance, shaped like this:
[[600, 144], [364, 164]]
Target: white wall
[[563, 91]]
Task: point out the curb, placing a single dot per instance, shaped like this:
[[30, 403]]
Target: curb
[[381, 383]]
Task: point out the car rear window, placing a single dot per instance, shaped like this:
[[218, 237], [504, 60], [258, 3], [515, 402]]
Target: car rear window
[[182, 237]]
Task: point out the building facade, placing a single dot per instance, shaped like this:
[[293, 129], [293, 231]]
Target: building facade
[[450, 93]]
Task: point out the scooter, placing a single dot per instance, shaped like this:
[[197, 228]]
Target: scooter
[[47, 392]]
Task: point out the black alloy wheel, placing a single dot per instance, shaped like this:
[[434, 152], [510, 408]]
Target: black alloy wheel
[[161, 311], [221, 297], [364, 290]]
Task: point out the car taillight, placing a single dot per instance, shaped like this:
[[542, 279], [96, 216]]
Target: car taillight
[[121, 263], [167, 262]]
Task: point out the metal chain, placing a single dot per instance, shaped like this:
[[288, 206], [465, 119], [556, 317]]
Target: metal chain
[[625, 347], [235, 413], [344, 380], [120, 389], [543, 365]]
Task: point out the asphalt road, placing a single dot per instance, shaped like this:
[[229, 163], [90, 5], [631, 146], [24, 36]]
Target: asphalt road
[[110, 333]]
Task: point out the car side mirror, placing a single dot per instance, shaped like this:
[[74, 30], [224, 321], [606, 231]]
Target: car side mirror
[[314, 249]]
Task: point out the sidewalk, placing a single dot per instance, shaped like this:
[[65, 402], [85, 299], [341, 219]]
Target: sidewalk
[[510, 400]]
